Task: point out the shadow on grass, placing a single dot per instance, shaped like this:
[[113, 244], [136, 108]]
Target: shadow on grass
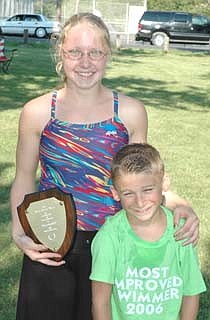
[[161, 97], [11, 261], [4, 194], [33, 73]]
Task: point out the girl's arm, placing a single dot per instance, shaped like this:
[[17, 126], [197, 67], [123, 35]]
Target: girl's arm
[[27, 157], [181, 209]]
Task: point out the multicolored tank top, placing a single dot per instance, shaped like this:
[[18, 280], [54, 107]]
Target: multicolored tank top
[[76, 158]]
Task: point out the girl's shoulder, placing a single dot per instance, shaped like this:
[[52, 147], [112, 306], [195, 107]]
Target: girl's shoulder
[[37, 111]]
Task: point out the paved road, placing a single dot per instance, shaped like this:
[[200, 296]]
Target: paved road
[[180, 46], [127, 44]]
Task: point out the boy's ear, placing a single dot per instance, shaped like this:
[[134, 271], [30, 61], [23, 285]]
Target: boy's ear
[[114, 193]]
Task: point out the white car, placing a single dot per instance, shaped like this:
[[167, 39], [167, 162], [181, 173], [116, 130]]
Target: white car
[[36, 24]]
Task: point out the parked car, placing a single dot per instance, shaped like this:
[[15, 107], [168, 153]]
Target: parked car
[[36, 24], [155, 26]]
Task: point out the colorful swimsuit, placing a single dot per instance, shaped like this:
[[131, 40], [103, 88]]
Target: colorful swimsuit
[[76, 158]]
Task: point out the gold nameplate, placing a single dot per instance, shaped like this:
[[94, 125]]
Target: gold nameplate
[[49, 217]]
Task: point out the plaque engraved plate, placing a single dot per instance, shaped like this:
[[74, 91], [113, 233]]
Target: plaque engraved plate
[[49, 217]]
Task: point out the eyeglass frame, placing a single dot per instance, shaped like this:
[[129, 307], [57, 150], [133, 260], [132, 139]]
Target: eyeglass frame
[[67, 54]]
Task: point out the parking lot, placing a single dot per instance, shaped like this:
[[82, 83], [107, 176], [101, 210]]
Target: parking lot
[[125, 42]]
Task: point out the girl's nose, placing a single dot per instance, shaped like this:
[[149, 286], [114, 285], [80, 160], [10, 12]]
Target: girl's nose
[[85, 59]]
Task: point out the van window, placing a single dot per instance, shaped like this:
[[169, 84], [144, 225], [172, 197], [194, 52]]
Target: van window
[[164, 16], [199, 20], [150, 16], [157, 16], [179, 17]]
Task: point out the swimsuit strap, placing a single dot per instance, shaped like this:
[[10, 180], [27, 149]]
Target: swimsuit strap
[[53, 104], [115, 95], [54, 97]]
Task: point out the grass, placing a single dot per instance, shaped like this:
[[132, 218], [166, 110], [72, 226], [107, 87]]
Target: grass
[[175, 88]]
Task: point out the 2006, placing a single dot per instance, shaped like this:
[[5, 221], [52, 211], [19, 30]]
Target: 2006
[[140, 308]]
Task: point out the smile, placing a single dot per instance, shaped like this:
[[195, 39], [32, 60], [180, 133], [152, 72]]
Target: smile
[[142, 211], [85, 74]]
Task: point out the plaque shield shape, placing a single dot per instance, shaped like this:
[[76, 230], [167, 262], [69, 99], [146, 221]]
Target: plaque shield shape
[[49, 217]]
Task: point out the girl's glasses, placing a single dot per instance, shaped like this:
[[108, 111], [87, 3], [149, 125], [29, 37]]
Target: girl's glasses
[[77, 54]]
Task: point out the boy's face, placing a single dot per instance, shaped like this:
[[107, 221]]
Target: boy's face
[[140, 195]]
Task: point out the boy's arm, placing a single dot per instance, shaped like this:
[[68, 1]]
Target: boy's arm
[[189, 308], [101, 300]]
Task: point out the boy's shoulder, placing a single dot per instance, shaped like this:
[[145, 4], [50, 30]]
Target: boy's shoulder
[[114, 221], [111, 231], [113, 226]]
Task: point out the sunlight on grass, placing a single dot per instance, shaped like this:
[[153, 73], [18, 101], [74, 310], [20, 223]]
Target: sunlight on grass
[[175, 90]]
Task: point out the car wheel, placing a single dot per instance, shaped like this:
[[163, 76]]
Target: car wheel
[[40, 33], [158, 39]]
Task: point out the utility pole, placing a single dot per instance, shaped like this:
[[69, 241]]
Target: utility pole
[[41, 6], [58, 10], [94, 6], [77, 6]]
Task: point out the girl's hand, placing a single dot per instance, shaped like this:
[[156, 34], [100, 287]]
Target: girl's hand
[[37, 252], [190, 229]]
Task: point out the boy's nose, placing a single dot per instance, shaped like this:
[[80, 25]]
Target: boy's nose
[[139, 199]]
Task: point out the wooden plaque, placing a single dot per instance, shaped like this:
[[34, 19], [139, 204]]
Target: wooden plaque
[[49, 217]]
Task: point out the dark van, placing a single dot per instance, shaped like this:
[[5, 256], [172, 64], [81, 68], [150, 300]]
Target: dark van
[[184, 27]]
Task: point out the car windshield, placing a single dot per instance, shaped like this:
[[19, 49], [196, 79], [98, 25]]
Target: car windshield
[[44, 18]]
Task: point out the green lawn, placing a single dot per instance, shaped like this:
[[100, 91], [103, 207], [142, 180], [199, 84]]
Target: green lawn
[[175, 88]]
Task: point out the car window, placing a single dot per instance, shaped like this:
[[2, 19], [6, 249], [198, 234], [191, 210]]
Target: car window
[[199, 20], [179, 17], [150, 16], [32, 18], [28, 19], [157, 16], [165, 16], [43, 18], [16, 18]]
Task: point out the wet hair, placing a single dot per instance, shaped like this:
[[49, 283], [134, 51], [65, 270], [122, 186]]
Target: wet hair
[[136, 158], [69, 24]]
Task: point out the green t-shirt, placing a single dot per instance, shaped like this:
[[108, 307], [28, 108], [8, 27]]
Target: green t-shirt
[[149, 278]]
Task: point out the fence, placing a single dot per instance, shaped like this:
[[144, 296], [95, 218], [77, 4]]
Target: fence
[[121, 17], [11, 7]]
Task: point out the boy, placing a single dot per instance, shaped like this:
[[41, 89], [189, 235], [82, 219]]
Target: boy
[[139, 271]]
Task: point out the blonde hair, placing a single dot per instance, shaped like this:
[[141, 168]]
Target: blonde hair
[[70, 23], [136, 158]]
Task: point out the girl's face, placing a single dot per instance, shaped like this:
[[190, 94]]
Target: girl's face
[[84, 56]]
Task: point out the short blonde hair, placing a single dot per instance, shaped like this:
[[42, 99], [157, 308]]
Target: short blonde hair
[[136, 158]]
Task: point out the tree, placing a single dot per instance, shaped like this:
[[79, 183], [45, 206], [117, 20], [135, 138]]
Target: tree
[[194, 6]]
